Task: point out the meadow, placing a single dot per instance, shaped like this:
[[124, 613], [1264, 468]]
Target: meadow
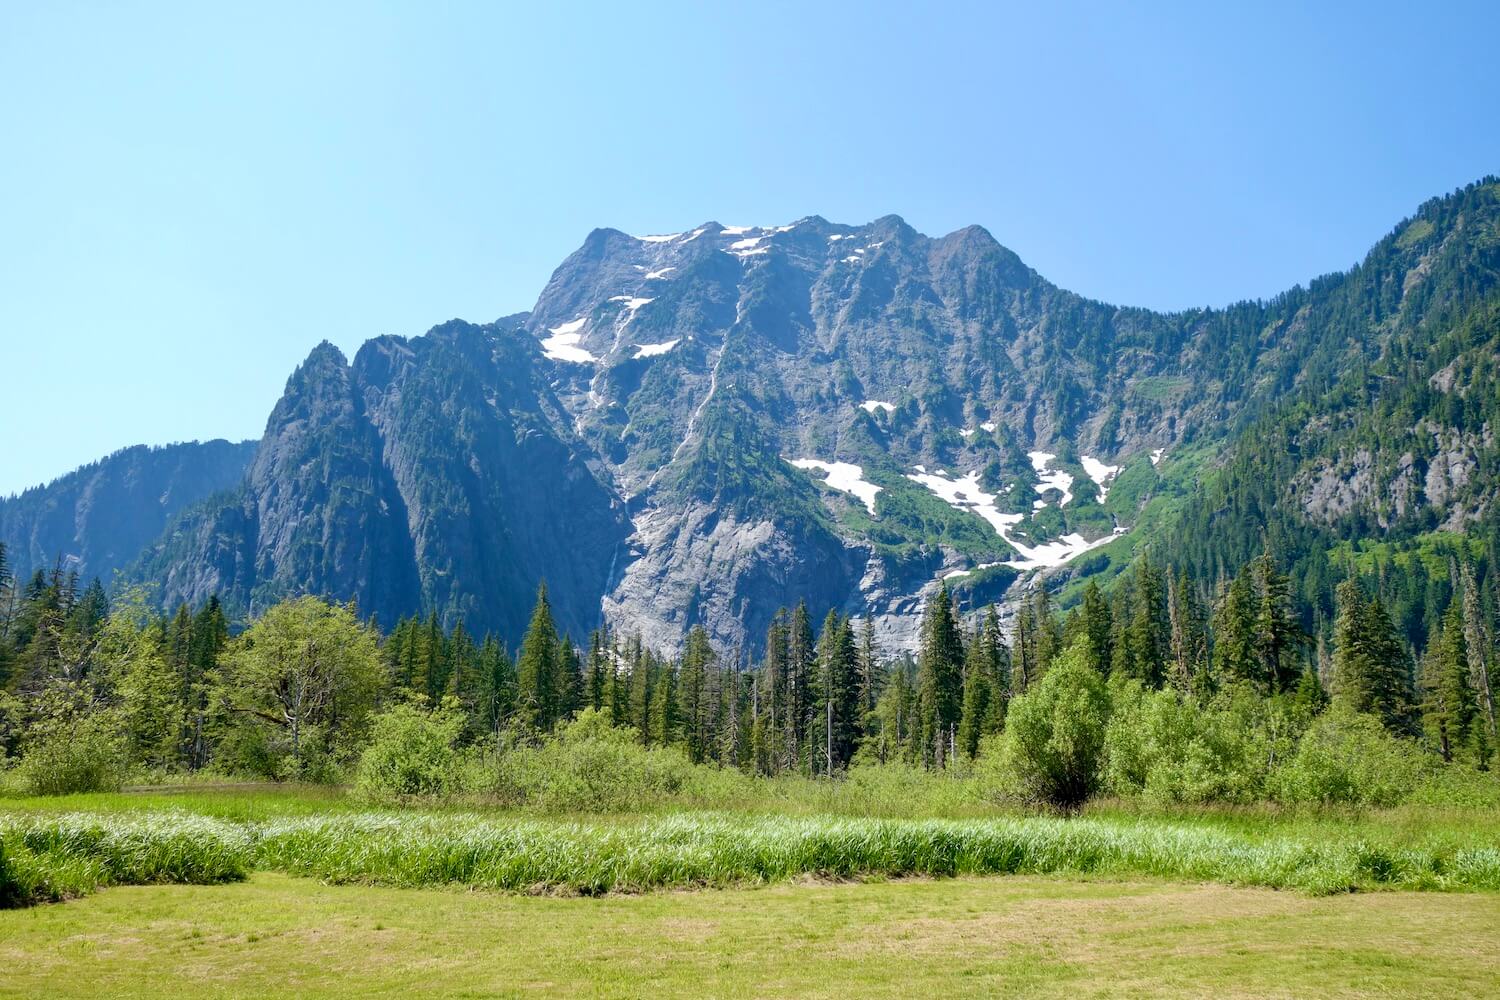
[[876, 884], [57, 848]]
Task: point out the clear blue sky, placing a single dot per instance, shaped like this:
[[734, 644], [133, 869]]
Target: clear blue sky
[[191, 199]]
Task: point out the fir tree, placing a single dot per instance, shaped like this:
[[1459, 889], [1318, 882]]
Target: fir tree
[[1448, 706], [539, 668], [939, 677]]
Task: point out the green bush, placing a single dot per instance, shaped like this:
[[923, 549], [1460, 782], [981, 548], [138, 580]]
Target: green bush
[[1052, 750], [1167, 749], [1349, 758], [84, 754], [412, 753], [590, 766]]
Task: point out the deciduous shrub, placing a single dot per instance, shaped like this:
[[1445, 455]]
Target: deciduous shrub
[[589, 765], [1053, 750], [81, 754], [1349, 758], [412, 753], [1166, 748]]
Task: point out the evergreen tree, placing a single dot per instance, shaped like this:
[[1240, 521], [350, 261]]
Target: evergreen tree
[[939, 677], [662, 724], [539, 668], [870, 676], [1234, 633], [839, 694], [981, 668], [801, 661], [1370, 671], [1277, 637], [1096, 626], [1480, 644], [693, 695], [1149, 631], [1448, 707]]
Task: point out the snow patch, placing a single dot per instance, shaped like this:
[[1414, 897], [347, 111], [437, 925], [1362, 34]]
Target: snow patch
[[844, 477], [965, 494], [631, 302], [1100, 473], [745, 244], [652, 350], [871, 405], [563, 344], [659, 275], [1057, 480], [988, 426], [1156, 454], [735, 230], [667, 238]]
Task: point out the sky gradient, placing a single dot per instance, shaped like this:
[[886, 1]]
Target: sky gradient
[[192, 198]]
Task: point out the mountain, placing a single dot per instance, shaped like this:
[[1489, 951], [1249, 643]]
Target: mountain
[[701, 427], [436, 472], [99, 518]]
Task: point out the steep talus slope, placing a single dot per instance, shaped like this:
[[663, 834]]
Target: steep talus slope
[[98, 518]]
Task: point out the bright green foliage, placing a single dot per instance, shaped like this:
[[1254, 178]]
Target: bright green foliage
[[412, 753], [590, 766], [1054, 742], [1165, 747], [297, 689], [71, 750], [1349, 758]]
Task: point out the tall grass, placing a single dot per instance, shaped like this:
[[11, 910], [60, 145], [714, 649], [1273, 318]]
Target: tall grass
[[61, 857], [58, 857], [692, 850]]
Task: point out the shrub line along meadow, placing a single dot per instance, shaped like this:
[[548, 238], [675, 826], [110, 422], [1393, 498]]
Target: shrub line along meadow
[[52, 857]]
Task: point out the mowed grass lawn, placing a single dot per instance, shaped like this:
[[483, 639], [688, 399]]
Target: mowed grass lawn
[[276, 935]]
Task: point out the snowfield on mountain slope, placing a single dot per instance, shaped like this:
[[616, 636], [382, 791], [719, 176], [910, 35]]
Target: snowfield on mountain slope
[[844, 477], [1100, 473], [563, 344], [965, 494], [654, 350]]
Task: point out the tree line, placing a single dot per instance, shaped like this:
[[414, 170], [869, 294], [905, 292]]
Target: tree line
[[292, 694]]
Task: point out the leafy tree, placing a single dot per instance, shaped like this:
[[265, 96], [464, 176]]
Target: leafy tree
[[305, 677], [1054, 734]]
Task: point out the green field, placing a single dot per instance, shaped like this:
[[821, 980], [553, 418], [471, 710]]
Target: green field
[[308, 891], [277, 936]]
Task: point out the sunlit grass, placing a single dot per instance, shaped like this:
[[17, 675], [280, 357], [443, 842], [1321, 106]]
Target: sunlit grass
[[54, 857]]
